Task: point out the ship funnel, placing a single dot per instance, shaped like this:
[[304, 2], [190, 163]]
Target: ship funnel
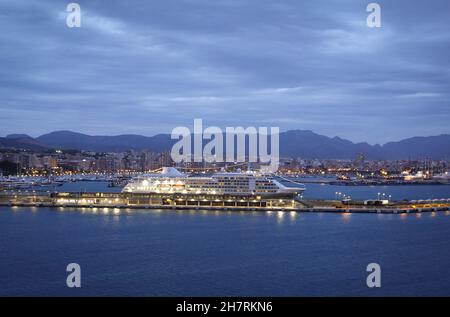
[[171, 172]]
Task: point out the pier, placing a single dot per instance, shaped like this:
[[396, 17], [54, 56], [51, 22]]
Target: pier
[[217, 202]]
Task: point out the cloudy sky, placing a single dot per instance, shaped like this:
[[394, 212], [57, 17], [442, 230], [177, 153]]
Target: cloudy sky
[[145, 67]]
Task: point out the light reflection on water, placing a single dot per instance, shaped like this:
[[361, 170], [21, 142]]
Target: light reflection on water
[[346, 216], [116, 215], [293, 215], [279, 215]]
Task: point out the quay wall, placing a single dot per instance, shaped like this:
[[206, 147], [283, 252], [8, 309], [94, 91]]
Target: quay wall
[[199, 202]]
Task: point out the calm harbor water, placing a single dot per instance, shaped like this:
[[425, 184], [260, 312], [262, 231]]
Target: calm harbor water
[[200, 253], [182, 253], [398, 192]]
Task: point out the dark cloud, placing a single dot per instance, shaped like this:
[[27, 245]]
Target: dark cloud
[[147, 66]]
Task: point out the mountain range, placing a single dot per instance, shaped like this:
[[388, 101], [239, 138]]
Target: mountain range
[[293, 143]]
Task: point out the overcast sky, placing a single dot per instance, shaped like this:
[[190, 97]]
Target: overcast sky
[[145, 67]]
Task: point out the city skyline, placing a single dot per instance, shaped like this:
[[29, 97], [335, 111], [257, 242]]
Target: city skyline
[[145, 69]]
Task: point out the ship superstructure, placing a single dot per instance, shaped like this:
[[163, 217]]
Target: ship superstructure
[[171, 181]]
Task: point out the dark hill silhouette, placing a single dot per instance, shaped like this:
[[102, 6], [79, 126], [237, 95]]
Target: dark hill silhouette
[[294, 143]]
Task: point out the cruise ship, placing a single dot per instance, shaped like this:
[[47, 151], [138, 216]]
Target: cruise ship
[[173, 189], [172, 181]]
